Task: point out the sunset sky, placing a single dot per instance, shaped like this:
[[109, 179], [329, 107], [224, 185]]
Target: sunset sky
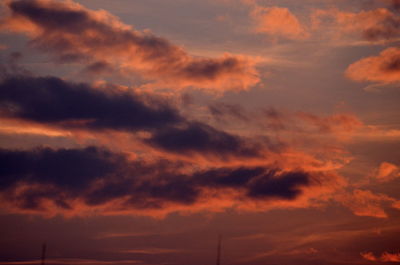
[[138, 131]]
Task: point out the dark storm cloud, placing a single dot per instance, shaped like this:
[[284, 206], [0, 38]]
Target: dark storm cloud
[[227, 177], [259, 182], [53, 100], [74, 33], [70, 168], [286, 186], [199, 137], [98, 176], [64, 173]]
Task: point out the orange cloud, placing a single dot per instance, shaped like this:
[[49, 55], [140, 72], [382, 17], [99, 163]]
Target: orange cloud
[[387, 172], [390, 257], [104, 44], [384, 68], [372, 25], [385, 257], [368, 256], [366, 203], [278, 22], [111, 183], [337, 123]]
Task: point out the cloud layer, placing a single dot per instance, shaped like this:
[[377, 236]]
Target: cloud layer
[[64, 180], [102, 42], [68, 105]]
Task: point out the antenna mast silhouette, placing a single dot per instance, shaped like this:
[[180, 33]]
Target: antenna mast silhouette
[[43, 253], [219, 250]]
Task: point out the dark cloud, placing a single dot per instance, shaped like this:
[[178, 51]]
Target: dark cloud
[[53, 100], [70, 168], [98, 176], [199, 137], [57, 102], [226, 177], [273, 184], [74, 33]]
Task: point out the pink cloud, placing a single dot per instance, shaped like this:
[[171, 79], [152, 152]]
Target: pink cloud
[[383, 68], [278, 22], [104, 44]]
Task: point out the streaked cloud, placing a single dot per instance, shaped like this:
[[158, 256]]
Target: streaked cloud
[[101, 41]]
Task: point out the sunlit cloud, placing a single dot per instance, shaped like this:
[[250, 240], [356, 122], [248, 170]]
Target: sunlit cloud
[[120, 146], [101, 41], [383, 68], [385, 257], [46, 182], [372, 25], [387, 171], [278, 22], [366, 203]]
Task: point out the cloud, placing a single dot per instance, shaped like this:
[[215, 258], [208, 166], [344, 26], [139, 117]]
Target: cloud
[[58, 103], [385, 257], [102, 42], [73, 181], [390, 257], [384, 68], [337, 123], [366, 203], [372, 25], [387, 171], [195, 137], [79, 167], [56, 106], [278, 22], [368, 256], [55, 101]]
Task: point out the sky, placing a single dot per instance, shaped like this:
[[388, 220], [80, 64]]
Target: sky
[[139, 131]]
